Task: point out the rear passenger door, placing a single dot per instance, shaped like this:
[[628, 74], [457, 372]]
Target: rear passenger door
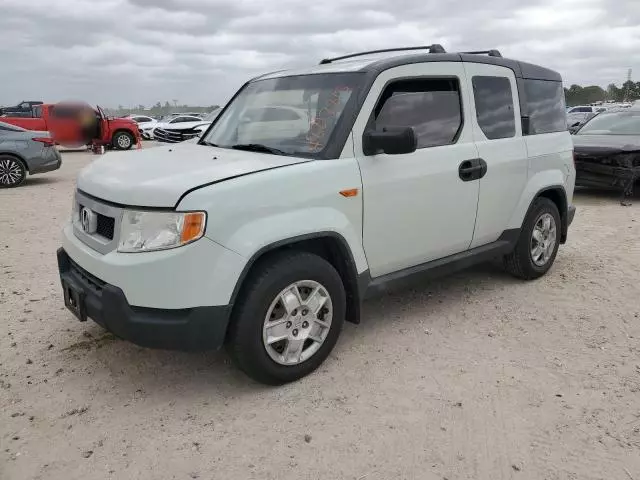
[[417, 208], [497, 130]]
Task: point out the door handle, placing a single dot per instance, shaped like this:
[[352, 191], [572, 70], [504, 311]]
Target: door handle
[[473, 169]]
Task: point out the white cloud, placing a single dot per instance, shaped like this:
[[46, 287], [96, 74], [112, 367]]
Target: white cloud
[[199, 51]]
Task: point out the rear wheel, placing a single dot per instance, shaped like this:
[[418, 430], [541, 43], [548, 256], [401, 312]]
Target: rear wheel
[[538, 244], [12, 171], [288, 319], [122, 141]]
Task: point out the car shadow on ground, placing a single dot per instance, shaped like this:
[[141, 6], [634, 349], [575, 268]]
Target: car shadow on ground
[[153, 370]]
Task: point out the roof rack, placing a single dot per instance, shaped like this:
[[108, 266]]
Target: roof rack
[[491, 53], [435, 48]]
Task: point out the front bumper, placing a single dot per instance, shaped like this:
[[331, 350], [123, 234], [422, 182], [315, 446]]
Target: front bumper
[[187, 329]]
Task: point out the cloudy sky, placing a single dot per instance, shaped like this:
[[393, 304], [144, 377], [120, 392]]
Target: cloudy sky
[[130, 52]]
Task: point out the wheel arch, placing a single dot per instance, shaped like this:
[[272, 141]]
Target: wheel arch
[[558, 195], [123, 130], [17, 157], [328, 245]]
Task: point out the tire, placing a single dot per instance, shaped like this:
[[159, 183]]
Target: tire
[[12, 171], [122, 141], [524, 262], [261, 294]]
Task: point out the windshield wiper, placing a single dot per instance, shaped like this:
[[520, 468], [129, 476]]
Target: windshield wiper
[[209, 144], [258, 147]]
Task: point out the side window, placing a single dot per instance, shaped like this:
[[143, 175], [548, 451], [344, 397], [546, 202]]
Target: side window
[[141, 119], [37, 112], [431, 106], [494, 106], [545, 102]]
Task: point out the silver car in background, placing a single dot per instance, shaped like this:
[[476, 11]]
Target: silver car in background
[[25, 151]]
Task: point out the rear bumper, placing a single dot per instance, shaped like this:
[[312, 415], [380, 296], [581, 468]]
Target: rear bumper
[[51, 161], [187, 329]]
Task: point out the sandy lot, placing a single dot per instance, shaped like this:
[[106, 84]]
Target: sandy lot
[[476, 376]]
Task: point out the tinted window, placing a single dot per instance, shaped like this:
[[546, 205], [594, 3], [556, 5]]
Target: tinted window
[[431, 106], [545, 102], [494, 106], [141, 119]]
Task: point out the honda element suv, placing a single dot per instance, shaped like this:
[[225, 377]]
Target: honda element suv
[[315, 189]]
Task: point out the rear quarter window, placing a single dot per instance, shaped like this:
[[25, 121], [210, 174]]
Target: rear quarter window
[[494, 106], [545, 103]]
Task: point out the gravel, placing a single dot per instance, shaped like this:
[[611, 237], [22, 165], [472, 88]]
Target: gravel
[[475, 376]]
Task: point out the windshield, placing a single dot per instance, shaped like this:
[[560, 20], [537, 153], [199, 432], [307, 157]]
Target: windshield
[[294, 115], [620, 123]]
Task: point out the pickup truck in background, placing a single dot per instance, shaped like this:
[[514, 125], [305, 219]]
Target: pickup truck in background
[[62, 121], [23, 109]]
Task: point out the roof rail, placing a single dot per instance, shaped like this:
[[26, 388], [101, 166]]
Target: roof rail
[[435, 48], [491, 53]]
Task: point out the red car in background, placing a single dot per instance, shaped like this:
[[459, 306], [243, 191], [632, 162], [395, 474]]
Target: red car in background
[[63, 122]]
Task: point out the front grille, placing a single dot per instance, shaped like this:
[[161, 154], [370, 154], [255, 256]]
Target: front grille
[[105, 226], [173, 136], [92, 281]]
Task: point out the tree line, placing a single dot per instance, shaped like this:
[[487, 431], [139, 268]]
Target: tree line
[[578, 95], [159, 109]]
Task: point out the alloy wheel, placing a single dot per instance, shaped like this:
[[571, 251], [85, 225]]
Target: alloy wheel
[[11, 172], [543, 239], [297, 322]]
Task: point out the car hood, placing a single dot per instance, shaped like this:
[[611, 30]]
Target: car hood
[[122, 122], [596, 143], [158, 177]]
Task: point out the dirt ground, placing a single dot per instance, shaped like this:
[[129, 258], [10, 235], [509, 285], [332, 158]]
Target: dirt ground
[[476, 376]]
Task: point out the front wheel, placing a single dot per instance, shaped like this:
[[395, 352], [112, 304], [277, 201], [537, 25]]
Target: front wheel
[[538, 244], [122, 141], [289, 317], [12, 172]]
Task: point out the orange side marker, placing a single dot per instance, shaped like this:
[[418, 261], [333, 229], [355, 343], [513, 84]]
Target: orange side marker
[[352, 192]]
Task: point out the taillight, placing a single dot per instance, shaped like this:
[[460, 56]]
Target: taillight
[[48, 142]]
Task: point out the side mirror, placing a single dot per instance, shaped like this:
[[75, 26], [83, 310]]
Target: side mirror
[[389, 140]]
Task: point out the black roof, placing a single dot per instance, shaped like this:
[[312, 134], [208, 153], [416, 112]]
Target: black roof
[[520, 69]]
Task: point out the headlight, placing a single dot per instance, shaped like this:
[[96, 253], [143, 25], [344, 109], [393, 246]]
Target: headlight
[[148, 231]]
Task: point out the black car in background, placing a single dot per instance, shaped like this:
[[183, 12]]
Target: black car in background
[[23, 109], [607, 151]]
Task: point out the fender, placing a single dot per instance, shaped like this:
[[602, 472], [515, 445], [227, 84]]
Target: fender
[[254, 213], [539, 183], [355, 283]]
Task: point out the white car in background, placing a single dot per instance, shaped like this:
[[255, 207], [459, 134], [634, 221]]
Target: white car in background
[[183, 127], [145, 124]]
